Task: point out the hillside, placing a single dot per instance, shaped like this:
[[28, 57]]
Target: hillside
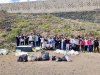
[[51, 6], [12, 25]]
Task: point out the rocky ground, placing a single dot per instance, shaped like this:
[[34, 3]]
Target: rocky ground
[[83, 64]]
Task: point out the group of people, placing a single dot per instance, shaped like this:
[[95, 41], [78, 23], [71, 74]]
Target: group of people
[[60, 42]]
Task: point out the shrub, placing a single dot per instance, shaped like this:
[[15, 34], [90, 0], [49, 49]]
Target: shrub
[[46, 27], [56, 31], [11, 36]]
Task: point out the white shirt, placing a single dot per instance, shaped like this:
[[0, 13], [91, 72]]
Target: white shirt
[[76, 41], [42, 40], [49, 40], [30, 38], [72, 41]]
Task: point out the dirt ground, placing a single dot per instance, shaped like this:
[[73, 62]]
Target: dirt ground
[[83, 64]]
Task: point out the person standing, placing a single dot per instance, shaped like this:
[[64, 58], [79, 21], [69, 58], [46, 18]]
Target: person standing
[[18, 40], [77, 46], [30, 39], [41, 41], [67, 43], [58, 43], [82, 43], [26, 40], [72, 42], [90, 45], [53, 42], [22, 40], [63, 44], [96, 44], [86, 44], [36, 40]]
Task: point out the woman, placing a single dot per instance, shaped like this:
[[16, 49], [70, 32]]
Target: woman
[[82, 43], [67, 43], [86, 44], [89, 45]]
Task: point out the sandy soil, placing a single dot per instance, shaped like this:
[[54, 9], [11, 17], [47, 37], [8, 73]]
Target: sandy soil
[[83, 64]]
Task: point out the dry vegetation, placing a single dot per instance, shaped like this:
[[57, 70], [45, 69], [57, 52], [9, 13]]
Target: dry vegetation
[[12, 25]]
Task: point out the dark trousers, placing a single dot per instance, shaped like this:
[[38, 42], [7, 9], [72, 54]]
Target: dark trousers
[[91, 48], [26, 42], [72, 47], [30, 42], [37, 43], [18, 43], [96, 48], [33, 44], [22, 43], [77, 48], [86, 48], [82, 48], [58, 46]]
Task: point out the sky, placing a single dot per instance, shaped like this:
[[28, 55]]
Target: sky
[[12, 1]]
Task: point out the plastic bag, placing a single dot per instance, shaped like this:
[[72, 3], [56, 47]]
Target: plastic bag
[[3, 51]]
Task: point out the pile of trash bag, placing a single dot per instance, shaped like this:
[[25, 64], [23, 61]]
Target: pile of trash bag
[[67, 52], [22, 58], [59, 59], [43, 57], [72, 52], [60, 51]]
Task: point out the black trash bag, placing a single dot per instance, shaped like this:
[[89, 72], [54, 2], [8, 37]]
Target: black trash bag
[[52, 58], [39, 58], [61, 59], [64, 59], [58, 59], [45, 56], [22, 58], [34, 58]]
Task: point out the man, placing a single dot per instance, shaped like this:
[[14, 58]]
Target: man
[[22, 39], [77, 48], [36, 39], [72, 42], [18, 40], [26, 40], [30, 39], [67, 43], [96, 44], [39, 40]]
